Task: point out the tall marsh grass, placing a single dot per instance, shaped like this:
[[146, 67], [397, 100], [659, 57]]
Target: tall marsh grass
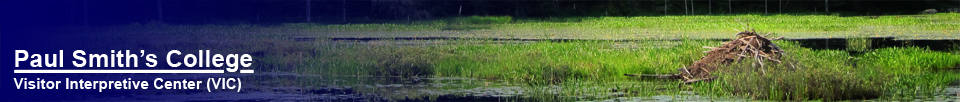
[[805, 75], [888, 73]]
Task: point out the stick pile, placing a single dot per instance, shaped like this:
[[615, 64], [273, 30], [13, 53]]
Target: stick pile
[[748, 46]]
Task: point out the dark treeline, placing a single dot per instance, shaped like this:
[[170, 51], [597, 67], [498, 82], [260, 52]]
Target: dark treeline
[[111, 12]]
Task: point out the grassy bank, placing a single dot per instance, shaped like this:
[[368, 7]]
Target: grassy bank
[[778, 23]]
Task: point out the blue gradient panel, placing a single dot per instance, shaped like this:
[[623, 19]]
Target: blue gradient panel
[[45, 28]]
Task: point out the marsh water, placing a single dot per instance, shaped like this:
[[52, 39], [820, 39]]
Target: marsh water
[[298, 87]]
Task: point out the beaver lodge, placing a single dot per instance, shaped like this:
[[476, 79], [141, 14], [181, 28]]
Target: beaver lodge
[[747, 46]]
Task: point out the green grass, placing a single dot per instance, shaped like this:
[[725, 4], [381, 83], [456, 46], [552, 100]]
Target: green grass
[[912, 59], [888, 73], [545, 61], [778, 23]]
